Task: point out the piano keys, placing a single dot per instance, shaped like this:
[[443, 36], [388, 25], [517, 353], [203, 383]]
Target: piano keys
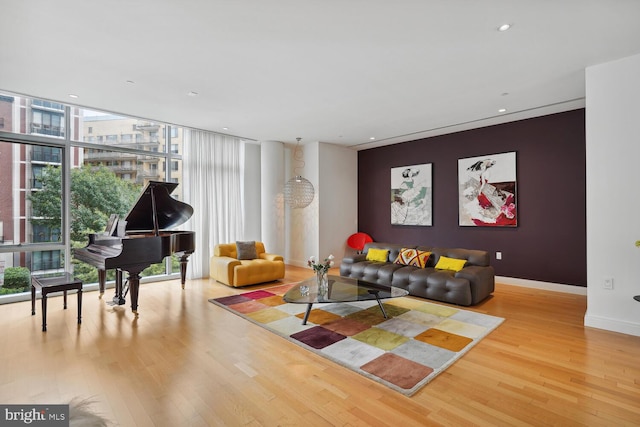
[[146, 241]]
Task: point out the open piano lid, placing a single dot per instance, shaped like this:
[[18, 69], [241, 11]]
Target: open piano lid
[[157, 210]]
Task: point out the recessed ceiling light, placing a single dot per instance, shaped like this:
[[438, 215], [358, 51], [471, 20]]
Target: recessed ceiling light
[[502, 110], [504, 27], [372, 138], [73, 96], [225, 128], [131, 82], [192, 93]]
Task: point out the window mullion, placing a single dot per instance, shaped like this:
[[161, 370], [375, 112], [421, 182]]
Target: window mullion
[[66, 190]]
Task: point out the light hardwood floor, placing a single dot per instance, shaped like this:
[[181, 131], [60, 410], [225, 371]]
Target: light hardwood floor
[[187, 362]]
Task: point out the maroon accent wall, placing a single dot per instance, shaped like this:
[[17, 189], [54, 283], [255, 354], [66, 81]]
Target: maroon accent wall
[[549, 243]]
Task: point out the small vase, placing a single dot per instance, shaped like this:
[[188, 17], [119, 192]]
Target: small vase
[[321, 279]]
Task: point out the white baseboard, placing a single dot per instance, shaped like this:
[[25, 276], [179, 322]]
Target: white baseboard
[[613, 325], [297, 263], [547, 286]]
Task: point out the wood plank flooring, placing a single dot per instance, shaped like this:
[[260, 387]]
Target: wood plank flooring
[[187, 362]]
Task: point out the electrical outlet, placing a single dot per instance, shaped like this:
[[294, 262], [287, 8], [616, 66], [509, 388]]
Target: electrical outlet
[[608, 283], [498, 255]]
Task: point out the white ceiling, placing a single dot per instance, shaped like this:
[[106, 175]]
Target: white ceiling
[[336, 71]]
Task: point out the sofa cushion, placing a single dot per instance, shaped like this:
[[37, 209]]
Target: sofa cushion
[[254, 271], [446, 263], [473, 257], [375, 254], [413, 257], [393, 249], [246, 250]]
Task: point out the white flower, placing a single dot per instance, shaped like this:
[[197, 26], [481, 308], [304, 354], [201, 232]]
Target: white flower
[[322, 267]]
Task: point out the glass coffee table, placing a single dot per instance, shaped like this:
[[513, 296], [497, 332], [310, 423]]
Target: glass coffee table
[[340, 289]]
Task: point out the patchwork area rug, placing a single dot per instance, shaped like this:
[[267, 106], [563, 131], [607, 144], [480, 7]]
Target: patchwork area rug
[[417, 341]]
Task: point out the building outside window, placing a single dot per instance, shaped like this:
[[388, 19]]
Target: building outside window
[[46, 261], [43, 233], [31, 227], [36, 176], [41, 153], [47, 123]]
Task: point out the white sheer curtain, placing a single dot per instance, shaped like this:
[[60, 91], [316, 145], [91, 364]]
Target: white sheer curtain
[[213, 174]]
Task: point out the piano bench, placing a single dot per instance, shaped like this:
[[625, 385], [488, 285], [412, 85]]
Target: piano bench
[[56, 282]]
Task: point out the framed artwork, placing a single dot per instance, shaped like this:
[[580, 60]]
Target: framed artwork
[[487, 191], [411, 195]]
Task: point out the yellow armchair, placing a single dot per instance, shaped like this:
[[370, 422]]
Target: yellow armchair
[[225, 267]]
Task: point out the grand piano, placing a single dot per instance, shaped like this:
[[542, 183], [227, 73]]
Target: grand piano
[[145, 241]]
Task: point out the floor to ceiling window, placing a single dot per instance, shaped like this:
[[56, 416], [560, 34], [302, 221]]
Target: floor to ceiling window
[[63, 171]]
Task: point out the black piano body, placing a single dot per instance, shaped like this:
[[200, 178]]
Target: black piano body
[[145, 241]]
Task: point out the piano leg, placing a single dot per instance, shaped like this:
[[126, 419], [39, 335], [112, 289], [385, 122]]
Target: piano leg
[[183, 269], [102, 279], [134, 286], [119, 296]]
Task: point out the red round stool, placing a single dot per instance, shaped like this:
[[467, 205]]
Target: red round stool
[[358, 240]]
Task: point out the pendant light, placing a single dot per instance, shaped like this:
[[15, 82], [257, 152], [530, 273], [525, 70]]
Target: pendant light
[[298, 191]]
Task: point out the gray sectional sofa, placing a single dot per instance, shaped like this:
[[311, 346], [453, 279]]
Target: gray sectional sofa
[[469, 286]]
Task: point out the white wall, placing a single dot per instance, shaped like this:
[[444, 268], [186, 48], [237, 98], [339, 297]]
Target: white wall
[[613, 194], [338, 194], [323, 227]]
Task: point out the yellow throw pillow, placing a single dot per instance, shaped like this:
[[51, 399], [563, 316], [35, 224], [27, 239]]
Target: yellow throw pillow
[[454, 264], [380, 255]]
